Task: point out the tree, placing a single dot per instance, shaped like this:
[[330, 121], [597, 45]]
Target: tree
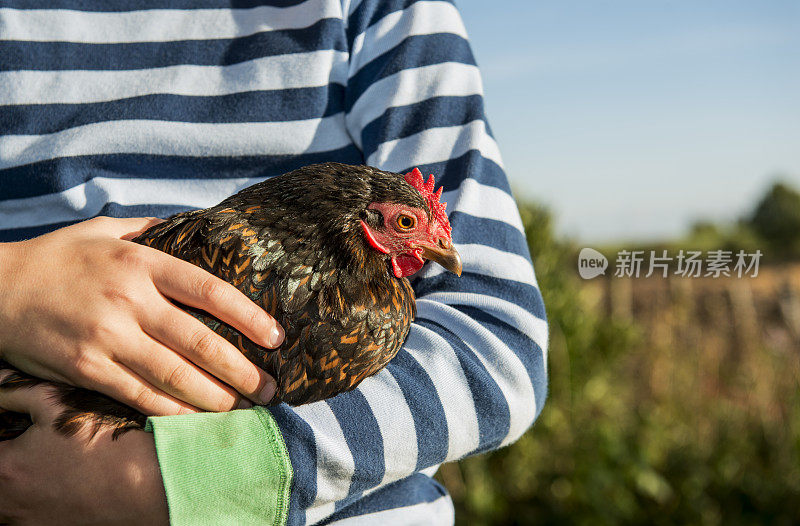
[[776, 219]]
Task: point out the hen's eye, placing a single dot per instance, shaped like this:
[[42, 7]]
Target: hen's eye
[[406, 222]]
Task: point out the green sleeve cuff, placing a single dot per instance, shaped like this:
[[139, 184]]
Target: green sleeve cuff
[[223, 468]]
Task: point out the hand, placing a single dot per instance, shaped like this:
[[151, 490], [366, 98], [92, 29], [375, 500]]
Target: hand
[[48, 478], [84, 306]]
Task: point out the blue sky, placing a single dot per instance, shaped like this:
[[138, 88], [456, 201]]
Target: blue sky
[[631, 119]]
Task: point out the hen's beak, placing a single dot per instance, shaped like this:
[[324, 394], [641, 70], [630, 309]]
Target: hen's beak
[[444, 254]]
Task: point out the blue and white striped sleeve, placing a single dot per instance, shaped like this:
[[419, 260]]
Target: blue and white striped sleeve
[[472, 374]]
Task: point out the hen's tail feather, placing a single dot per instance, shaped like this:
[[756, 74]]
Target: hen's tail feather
[[83, 409]]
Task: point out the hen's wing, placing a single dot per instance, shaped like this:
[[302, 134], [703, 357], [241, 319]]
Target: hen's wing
[[338, 330], [334, 354]]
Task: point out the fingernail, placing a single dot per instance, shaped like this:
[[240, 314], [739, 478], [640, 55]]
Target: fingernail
[[244, 404], [266, 394], [276, 336]]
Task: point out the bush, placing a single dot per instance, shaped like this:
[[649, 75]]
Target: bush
[[655, 421]]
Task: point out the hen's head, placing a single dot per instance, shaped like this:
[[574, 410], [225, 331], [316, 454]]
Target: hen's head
[[410, 225]]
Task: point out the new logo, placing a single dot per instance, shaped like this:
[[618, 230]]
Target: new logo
[[591, 263]]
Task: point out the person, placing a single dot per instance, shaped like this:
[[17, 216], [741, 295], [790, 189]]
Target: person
[[150, 108]]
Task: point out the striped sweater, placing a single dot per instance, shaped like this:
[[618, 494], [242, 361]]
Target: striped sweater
[[150, 107]]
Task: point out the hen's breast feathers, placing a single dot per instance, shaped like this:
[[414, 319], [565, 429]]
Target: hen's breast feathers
[[340, 327]]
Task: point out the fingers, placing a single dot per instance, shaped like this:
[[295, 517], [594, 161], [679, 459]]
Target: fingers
[[35, 401], [130, 388], [178, 377], [195, 287], [188, 336], [122, 384]]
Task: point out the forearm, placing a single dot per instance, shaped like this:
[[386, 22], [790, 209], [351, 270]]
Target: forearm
[[47, 477]]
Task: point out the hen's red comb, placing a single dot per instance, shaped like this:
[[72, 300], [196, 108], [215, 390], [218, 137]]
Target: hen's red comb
[[414, 178]]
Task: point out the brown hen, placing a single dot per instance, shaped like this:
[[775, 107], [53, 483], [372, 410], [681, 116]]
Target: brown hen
[[326, 250]]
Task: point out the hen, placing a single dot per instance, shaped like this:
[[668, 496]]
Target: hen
[[326, 250]]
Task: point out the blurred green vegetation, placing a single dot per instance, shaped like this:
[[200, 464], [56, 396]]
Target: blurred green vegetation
[[673, 417], [776, 220]]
